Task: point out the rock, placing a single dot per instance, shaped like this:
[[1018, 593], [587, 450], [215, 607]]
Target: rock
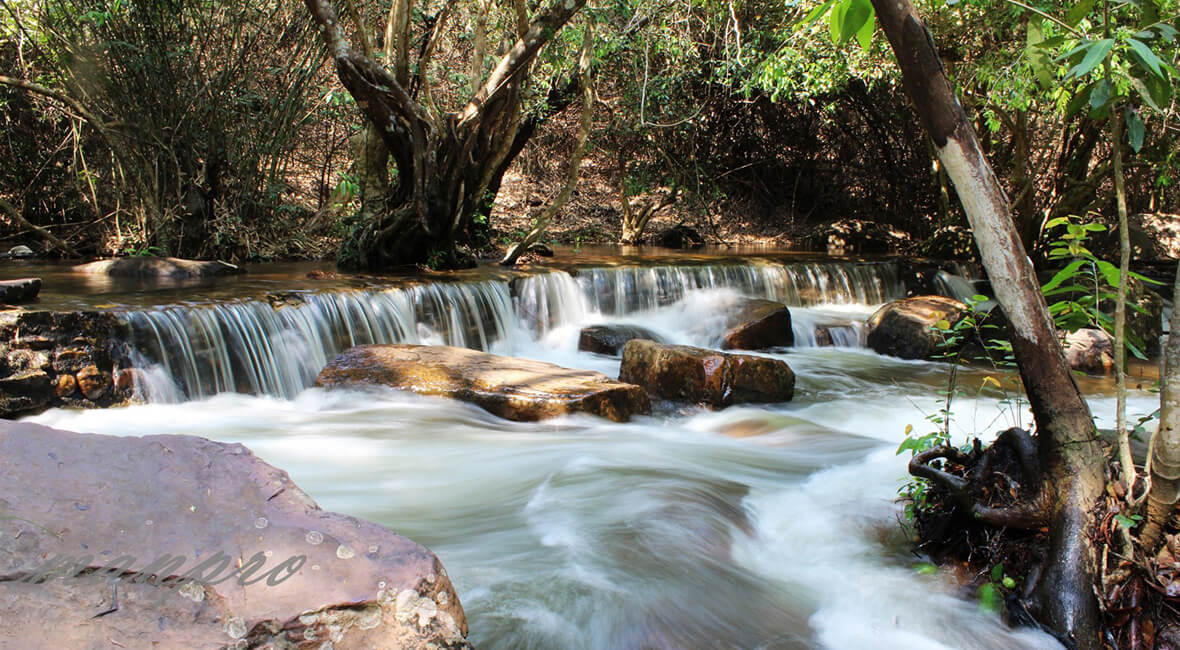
[[718, 379], [66, 385], [93, 382], [544, 250], [904, 328], [18, 292], [160, 267], [610, 339], [60, 345], [845, 334], [322, 275], [852, 236], [187, 507], [757, 325], [18, 252], [1090, 351], [679, 236], [515, 389]]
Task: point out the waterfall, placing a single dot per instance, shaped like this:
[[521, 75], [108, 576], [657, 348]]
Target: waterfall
[[278, 346], [260, 347], [622, 290]]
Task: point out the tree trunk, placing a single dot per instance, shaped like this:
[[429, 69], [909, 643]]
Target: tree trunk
[[1066, 435], [1165, 445]]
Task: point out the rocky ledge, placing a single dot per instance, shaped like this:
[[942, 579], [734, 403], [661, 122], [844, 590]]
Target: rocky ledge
[[512, 388], [173, 268], [181, 542], [717, 379], [72, 359]]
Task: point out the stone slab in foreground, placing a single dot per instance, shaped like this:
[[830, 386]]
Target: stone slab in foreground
[[96, 507], [719, 379], [512, 388]]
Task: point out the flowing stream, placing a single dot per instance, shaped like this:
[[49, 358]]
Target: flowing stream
[[753, 527]]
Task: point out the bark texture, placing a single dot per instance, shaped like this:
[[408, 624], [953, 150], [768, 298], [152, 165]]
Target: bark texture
[[1069, 452], [1165, 456]]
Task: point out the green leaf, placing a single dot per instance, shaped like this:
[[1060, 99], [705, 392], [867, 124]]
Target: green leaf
[[855, 16], [836, 20], [1100, 96], [864, 36], [1108, 271], [1064, 274], [1134, 130], [1079, 11], [1078, 101], [1147, 57], [1038, 58], [1155, 91], [1094, 56], [818, 12], [997, 572]]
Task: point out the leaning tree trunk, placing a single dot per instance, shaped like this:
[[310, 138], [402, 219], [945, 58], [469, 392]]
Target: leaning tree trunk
[[1067, 444]]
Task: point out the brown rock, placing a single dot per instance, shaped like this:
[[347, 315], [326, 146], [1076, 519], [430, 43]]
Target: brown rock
[[160, 267], [20, 360], [1090, 351], [719, 379], [93, 382], [66, 385], [126, 379], [516, 389], [18, 292], [311, 577], [759, 324], [905, 328], [24, 392], [610, 339]]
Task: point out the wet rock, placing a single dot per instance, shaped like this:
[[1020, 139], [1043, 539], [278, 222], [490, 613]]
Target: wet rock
[[905, 328], [254, 561], [173, 268], [20, 252], [66, 385], [757, 325], [18, 292], [544, 250], [93, 382], [60, 345], [718, 379], [853, 236], [610, 339], [1090, 351], [322, 275], [515, 389], [679, 236]]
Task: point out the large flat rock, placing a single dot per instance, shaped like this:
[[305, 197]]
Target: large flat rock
[[718, 379], [18, 292], [173, 268], [512, 388], [151, 510]]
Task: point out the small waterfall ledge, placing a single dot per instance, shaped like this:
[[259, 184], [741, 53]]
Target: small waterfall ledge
[[278, 346]]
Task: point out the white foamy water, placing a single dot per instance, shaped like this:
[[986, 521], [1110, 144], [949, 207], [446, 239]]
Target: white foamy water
[[754, 527]]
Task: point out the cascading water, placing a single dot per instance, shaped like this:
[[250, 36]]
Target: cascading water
[[768, 526]]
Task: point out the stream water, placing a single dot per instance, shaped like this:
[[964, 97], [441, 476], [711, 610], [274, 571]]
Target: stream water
[[753, 527]]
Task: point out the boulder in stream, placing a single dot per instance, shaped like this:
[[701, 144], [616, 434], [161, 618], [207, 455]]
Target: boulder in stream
[[1090, 350], [757, 325], [512, 388], [181, 542], [172, 268], [904, 328], [718, 379], [610, 339], [18, 292]]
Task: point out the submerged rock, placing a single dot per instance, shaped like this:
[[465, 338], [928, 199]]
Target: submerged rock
[[905, 328], [173, 268], [757, 325], [18, 292], [679, 236], [610, 339], [211, 546], [71, 359], [718, 379], [512, 388], [1090, 350]]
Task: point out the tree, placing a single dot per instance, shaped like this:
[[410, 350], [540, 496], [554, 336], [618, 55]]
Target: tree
[[1165, 444], [445, 159], [1071, 462]]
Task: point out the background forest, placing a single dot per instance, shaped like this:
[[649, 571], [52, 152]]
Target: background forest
[[220, 130]]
